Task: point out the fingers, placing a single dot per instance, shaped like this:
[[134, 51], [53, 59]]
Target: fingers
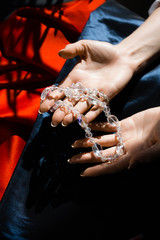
[[53, 96], [50, 99], [46, 105], [73, 50], [105, 141], [107, 168], [102, 126], [60, 113], [65, 117], [90, 157], [102, 168], [81, 107], [126, 161], [93, 113]]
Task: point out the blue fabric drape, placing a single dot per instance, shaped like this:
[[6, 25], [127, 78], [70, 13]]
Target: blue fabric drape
[[46, 197]]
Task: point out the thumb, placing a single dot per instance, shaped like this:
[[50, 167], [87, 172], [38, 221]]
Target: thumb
[[73, 50]]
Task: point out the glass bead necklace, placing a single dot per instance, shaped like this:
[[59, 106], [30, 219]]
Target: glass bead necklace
[[78, 92]]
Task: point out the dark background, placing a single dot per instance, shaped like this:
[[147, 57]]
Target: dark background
[[138, 6], [8, 6]]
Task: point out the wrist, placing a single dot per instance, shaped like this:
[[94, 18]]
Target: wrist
[[143, 45], [138, 55]]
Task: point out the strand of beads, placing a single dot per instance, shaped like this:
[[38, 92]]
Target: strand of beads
[[93, 97]]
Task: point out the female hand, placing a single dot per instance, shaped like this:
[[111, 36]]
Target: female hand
[[102, 66], [141, 138]]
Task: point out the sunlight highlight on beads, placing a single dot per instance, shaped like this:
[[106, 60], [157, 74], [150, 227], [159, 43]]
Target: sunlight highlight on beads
[[78, 92]]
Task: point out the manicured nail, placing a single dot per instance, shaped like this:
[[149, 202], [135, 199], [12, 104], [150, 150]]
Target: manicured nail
[[74, 145], [53, 124], [69, 161], [63, 125], [82, 174], [60, 52], [39, 111]]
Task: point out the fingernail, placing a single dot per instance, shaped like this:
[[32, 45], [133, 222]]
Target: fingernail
[[69, 161], [63, 125], [60, 52], [39, 112], [53, 124], [74, 145], [82, 174]]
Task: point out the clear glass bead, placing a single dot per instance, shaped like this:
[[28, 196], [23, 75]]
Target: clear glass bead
[[108, 159], [77, 90], [104, 97], [82, 120], [88, 90], [96, 148], [95, 91], [77, 85], [106, 110], [69, 94], [76, 97], [113, 120], [120, 149], [92, 100], [102, 105], [75, 113], [56, 105], [92, 140], [83, 97], [88, 134], [54, 87], [94, 97], [118, 136], [73, 84], [45, 93]]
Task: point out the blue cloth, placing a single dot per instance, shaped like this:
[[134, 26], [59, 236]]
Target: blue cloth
[[46, 197]]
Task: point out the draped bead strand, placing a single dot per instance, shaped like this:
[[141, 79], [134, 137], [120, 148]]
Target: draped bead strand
[[77, 92]]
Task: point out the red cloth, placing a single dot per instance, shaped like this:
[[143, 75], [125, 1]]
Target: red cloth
[[29, 61]]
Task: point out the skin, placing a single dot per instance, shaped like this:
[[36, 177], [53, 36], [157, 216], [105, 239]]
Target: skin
[[97, 68], [141, 138], [98, 59]]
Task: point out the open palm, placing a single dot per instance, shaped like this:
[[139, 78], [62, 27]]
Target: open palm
[[101, 66]]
